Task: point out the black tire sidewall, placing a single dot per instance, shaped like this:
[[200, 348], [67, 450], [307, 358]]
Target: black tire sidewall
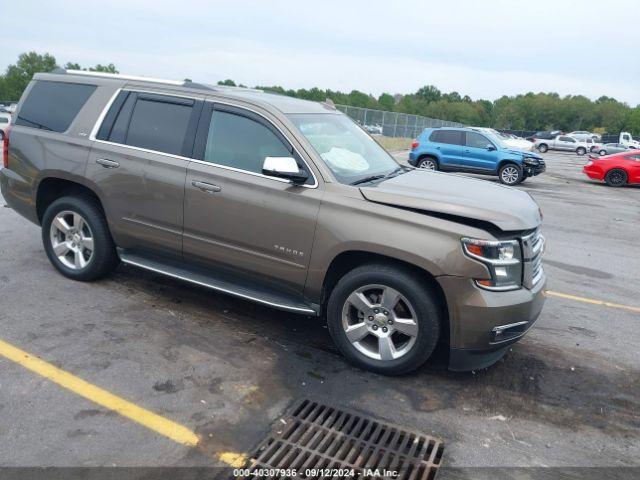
[[104, 257], [520, 174], [543, 148], [581, 151], [422, 300], [608, 181]]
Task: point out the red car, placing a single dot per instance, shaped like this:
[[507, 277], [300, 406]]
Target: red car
[[617, 170]]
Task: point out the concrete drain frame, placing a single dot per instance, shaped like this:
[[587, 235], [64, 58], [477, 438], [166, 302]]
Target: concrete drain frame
[[316, 440]]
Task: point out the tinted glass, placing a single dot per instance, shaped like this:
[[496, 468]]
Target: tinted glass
[[452, 137], [4, 120], [158, 126], [475, 140], [239, 142], [566, 139], [53, 105]]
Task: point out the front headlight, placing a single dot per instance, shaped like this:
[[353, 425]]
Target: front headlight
[[531, 161], [503, 258]]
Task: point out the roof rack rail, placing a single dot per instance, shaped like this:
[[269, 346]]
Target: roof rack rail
[[181, 83], [120, 76]]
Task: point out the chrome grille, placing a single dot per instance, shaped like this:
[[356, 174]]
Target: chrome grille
[[532, 248]]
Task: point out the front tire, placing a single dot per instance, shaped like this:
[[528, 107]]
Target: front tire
[[616, 177], [602, 153], [428, 163], [510, 174], [384, 319], [77, 240]]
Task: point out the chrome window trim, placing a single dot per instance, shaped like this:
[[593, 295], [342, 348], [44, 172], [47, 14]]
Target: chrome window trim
[[103, 114]]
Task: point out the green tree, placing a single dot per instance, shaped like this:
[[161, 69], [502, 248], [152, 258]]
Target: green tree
[[18, 76], [386, 102]]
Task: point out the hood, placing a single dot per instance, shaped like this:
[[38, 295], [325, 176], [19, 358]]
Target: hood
[[505, 207]]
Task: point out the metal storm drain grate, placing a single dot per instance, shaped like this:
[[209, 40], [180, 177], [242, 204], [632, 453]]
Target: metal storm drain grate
[[320, 441]]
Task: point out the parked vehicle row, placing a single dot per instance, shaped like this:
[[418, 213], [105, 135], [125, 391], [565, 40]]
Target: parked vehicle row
[[473, 151], [284, 202]]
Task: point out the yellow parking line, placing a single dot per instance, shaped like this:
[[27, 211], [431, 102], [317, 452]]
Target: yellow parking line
[[170, 429], [592, 301], [163, 426]]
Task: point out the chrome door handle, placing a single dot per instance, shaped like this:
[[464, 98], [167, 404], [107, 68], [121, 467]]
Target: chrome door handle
[[206, 187], [107, 163]]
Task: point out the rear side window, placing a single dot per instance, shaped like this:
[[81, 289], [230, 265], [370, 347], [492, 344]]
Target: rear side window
[[4, 120], [53, 105], [452, 137], [161, 123], [159, 126], [240, 142]]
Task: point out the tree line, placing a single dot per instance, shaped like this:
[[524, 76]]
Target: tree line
[[529, 111]]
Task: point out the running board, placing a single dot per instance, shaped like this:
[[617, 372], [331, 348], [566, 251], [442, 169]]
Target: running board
[[222, 283]]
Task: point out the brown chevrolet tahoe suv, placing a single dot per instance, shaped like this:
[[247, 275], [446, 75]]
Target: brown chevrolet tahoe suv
[[279, 201]]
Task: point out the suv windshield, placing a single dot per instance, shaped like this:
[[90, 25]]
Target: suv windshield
[[351, 154]]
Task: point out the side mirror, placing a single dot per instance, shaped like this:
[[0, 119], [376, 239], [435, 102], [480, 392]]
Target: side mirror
[[490, 147], [284, 167]]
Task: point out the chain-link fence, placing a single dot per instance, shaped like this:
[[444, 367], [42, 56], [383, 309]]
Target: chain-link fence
[[393, 124]]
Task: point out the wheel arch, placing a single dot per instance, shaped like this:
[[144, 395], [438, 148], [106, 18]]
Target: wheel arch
[[51, 188], [346, 261]]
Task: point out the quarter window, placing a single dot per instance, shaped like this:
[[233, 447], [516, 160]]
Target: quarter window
[[53, 105], [240, 142]]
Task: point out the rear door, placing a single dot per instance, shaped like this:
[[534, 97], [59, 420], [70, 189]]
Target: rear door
[[448, 144], [139, 163], [238, 219], [479, 152]]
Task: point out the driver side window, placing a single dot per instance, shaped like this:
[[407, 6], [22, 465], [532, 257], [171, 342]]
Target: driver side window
[[476, 140], [239, 142]]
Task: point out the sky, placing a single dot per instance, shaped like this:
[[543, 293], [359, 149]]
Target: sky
[[483, 48]]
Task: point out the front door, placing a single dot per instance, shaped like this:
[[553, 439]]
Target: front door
[[234, 216], [479, 152]]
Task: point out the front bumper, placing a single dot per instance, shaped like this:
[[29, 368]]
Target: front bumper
[[482, 323], [533, 170]]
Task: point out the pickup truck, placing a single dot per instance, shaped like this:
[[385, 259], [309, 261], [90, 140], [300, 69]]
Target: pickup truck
[[564, 143], [628, 141]]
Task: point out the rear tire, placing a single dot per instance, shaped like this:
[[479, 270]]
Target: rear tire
[[384, 319], [510, 174], [616, 177], [77, 240], [542, 148], [581, 151], [428, 163]]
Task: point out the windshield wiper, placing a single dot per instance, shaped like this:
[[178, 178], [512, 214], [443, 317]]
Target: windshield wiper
[[393, 173], [368, 179]]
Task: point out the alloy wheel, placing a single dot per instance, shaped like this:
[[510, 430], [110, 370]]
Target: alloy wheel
[[427, 164], [71, 240], [380, 322], [509, 175]]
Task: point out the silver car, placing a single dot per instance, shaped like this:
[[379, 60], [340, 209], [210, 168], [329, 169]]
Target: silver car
[[611, 148]]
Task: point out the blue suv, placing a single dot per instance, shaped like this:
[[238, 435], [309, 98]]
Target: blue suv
[[474, 151]]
